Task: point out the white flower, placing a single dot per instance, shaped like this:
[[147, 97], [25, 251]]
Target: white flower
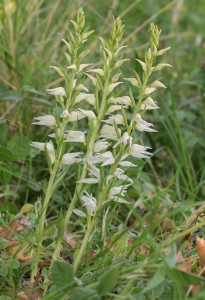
[[158, 84], [39, 146], [88, 180], [100, 145], [98, 71], [118, 119], [76, 116], [124, 139], [72, 67], [119, 174], [47, 120], [116, 190], [75, 136], [46, 146], [125, 100], [113, 108], [142, 125], [109, 132], [90, 203], [112, 86], [59, 91], [133, 81], [149, 90], [139, 151], [65, 114], [106, 158], [149, 104], [90, 98], [143, 64], [88, 113], [71, 158], [126, 163], [83, 66], [51, 151]]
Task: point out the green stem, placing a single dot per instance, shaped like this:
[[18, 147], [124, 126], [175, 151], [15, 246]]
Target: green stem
[[41, 225], [184, 233], [84, 244]]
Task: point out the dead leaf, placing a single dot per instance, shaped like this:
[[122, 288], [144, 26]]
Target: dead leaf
[[200, 245], [7, 232], [185, 264]]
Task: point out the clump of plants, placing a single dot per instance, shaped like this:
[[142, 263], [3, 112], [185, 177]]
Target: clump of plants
[[95, 96]]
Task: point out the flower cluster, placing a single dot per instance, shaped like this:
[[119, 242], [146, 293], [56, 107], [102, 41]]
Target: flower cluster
[[110, 138]]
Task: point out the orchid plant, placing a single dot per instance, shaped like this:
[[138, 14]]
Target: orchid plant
[[91, 93]]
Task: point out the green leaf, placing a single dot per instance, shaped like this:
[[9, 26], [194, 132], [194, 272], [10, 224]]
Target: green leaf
[[13, 264], [156, 280], [62, 274], [6, 154], [108, 281], [20, 147], [5, 174], [183, 278], [84, 294]]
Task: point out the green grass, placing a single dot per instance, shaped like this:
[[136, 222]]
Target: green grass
[[139, 258]]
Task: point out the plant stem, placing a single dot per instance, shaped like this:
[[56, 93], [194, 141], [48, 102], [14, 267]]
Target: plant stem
[[42, 219]]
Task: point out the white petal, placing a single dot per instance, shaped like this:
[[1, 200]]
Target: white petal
[[133, 81], [125, 100], [88, 113], [158, 84], [89, 180], [83, 66], [112, 86], [98, 71], [126, 163], [139, 151], [47, 120], [149, 104], [75, 136], [149, 90], [59, 91], [118, 119], [100, 145], [90, 98], [79, 213], [72, 67], [142, 125], [114, 108], [70, 158], [76, 116], [39, 146], [109, 132], [143, 65]]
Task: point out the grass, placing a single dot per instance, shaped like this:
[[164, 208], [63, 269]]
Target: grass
[[133, 251]]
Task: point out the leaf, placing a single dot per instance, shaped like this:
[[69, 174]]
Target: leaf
[[6, 154], [108, 281], [20, 147], [62, 274], [180, 277], [84, 294], [5, 174], [156, 280], [13, 264]]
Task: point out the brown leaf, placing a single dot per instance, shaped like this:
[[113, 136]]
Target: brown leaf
[[15, 225], [200, 245], [167, 224], [185, 264], [7, 232]]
